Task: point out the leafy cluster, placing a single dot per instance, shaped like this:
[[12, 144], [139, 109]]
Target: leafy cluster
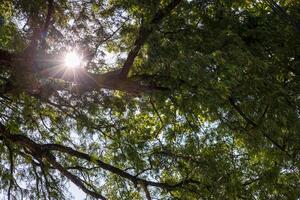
[[177, 99]]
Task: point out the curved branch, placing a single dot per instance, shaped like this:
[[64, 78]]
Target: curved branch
[[39, 153], [43, 151], [105, 166], [114, 170]]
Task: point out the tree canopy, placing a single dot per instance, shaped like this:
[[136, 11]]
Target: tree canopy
[[173, 99]]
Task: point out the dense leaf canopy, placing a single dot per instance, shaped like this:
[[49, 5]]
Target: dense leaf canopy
[[174, 99]]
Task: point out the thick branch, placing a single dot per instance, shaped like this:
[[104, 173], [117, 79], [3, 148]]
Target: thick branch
[[47, 23], [48, 17], [28, 80], [38, 152], [108, 167], [5, 57], [43, 150], [87, 81], [144, 32]]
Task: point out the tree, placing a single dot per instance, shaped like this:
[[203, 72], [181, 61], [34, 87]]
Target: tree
[[176, 99]]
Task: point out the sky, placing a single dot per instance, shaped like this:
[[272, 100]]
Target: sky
[[76, 192]]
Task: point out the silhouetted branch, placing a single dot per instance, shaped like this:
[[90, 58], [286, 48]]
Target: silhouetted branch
[[144, 32], [5, 57], [47, 22], [48, 17], [255, 125], [39, 153]]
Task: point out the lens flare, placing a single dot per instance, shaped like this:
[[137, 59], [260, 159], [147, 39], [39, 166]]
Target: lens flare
[[72, 59]]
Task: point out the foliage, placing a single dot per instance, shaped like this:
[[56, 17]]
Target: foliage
[[191, 99]]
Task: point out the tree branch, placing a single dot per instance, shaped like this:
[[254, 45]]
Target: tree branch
[[48, 17], [38, 152], [112, 169], [103, 165], [5, 57], [43, 151], [87, 81], [47, 23], [11, 169], [143, 35], [147, 193], [241, 113], [255, 125], [51, 159]]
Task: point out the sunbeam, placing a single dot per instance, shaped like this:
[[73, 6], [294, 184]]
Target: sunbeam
[[72, 59]]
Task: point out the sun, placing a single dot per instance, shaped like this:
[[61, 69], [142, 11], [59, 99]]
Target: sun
[[72, 59]]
